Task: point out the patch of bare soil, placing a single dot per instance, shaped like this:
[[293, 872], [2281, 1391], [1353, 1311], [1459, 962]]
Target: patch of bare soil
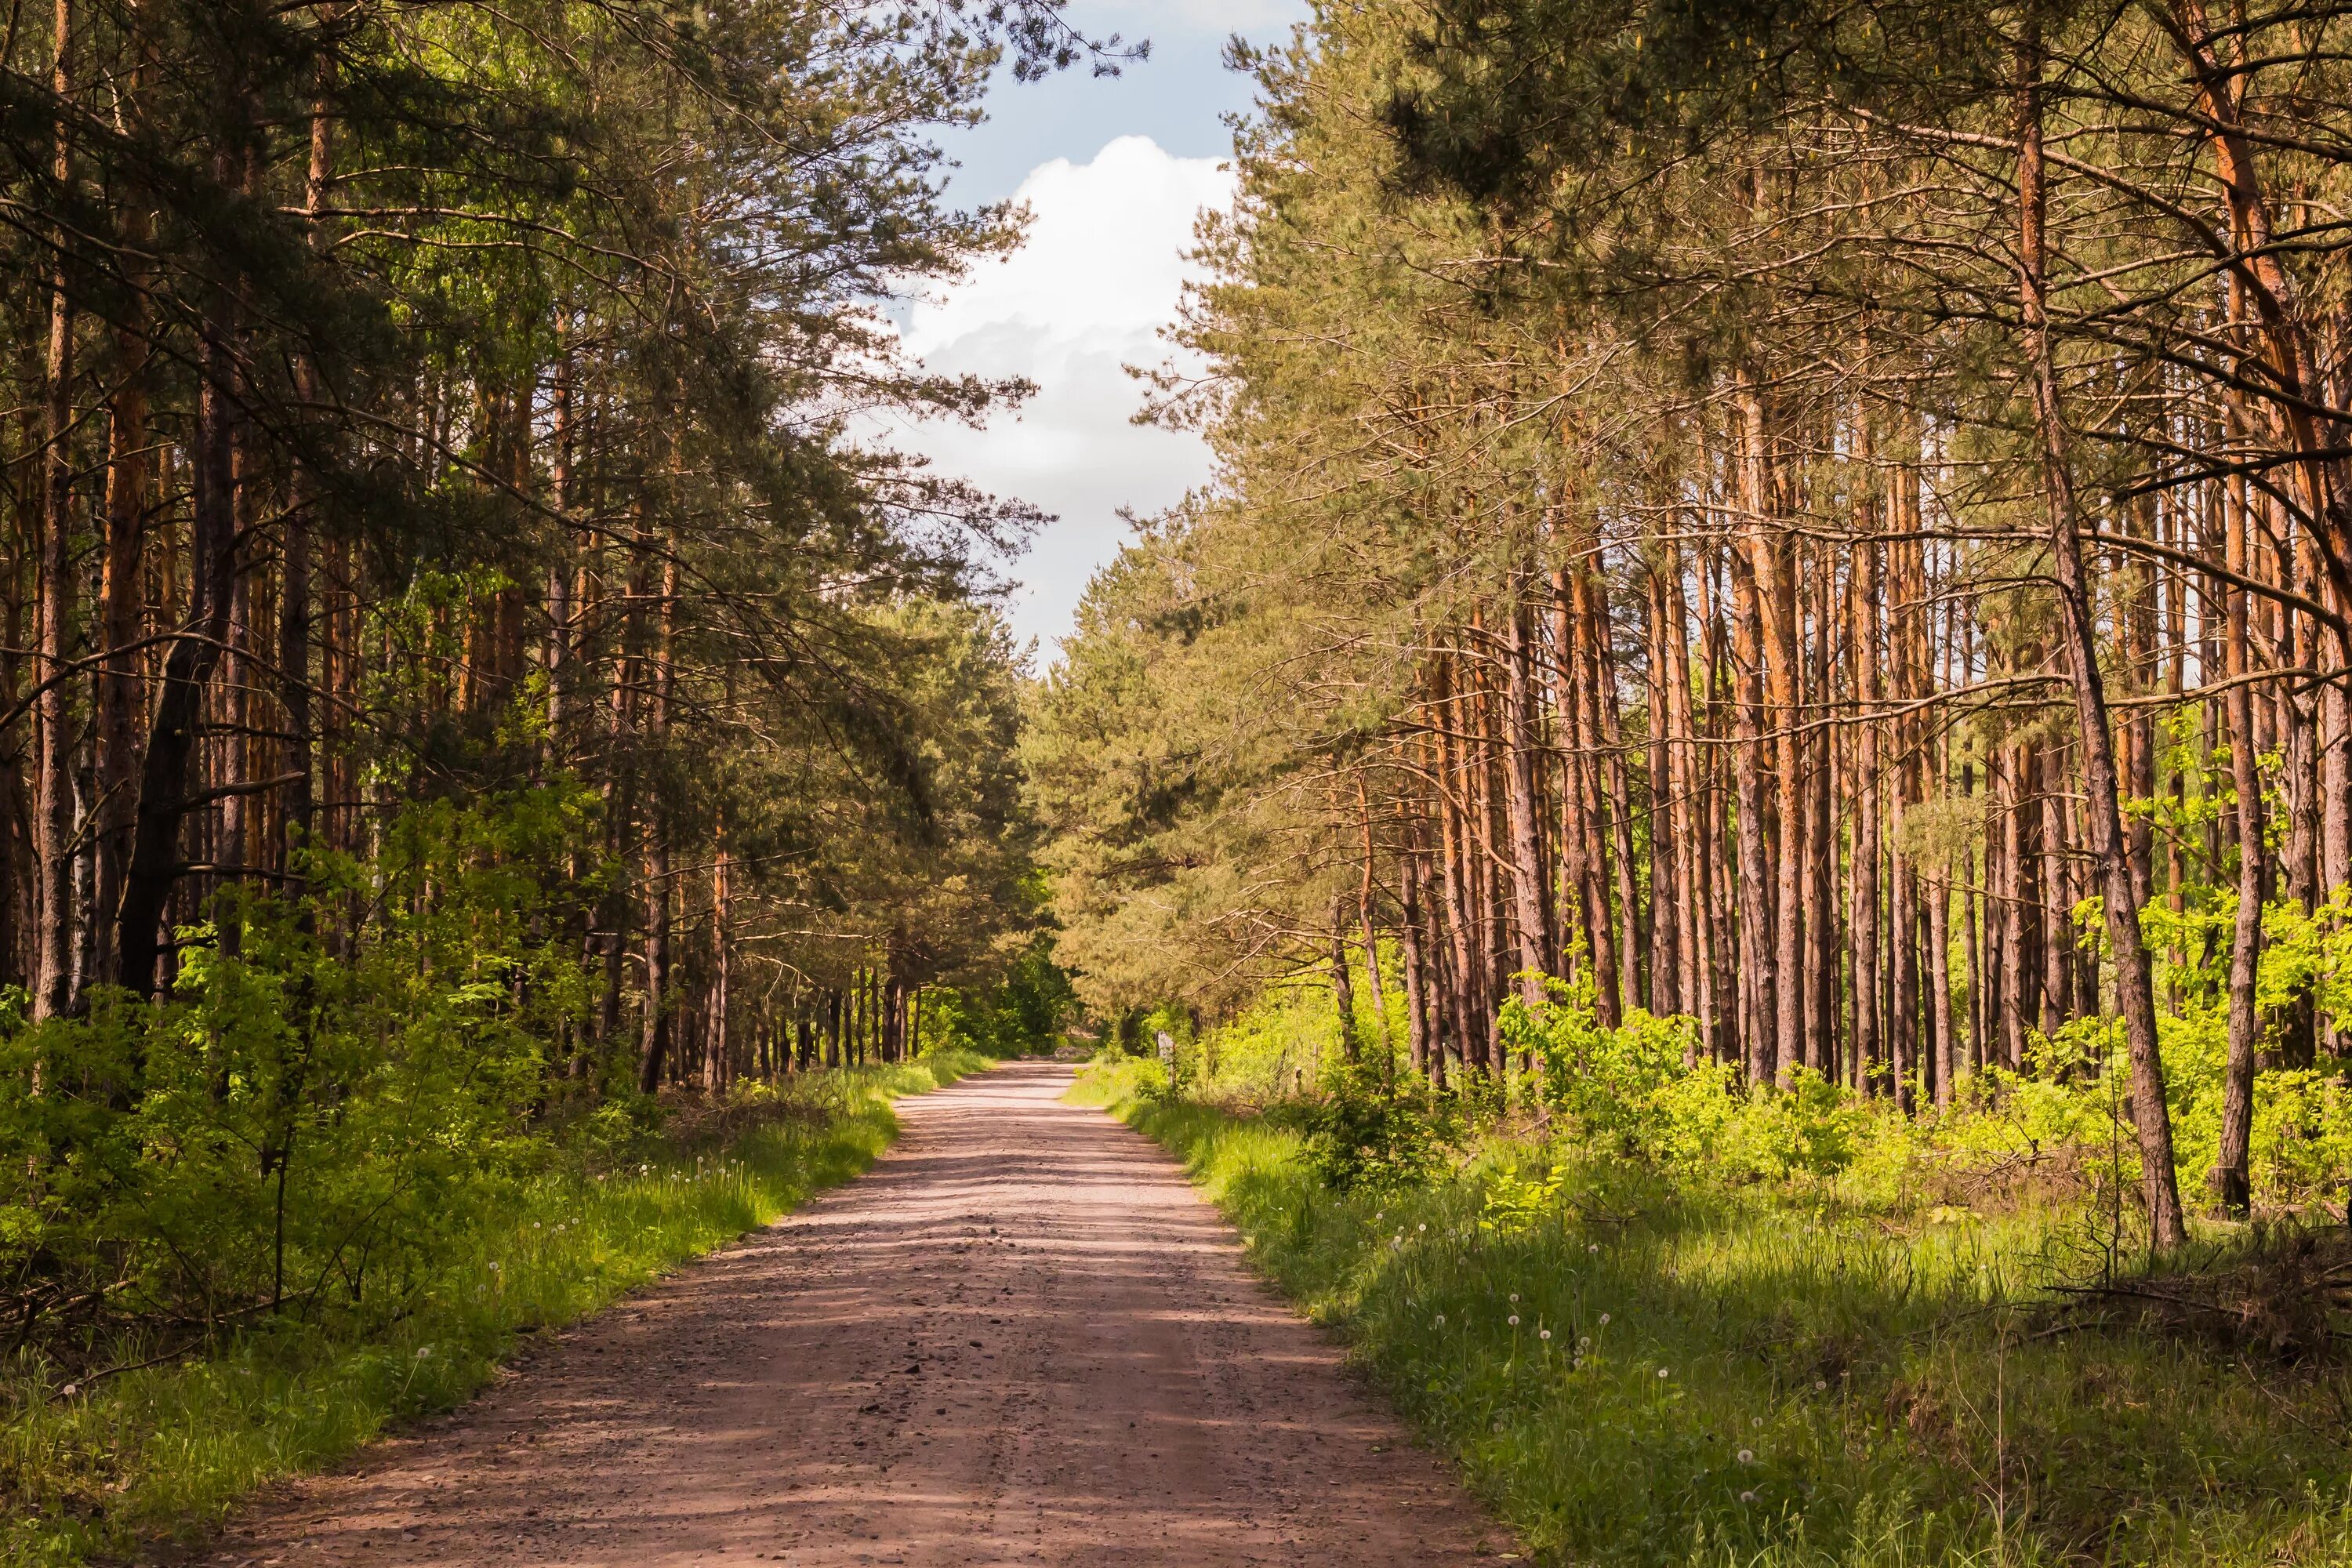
[[1022, 1339]]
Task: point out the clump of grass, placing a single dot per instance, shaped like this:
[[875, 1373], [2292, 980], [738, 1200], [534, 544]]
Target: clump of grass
[[166, 1450], [1649, 1371]]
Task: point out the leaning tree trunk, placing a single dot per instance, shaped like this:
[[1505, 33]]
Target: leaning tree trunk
[[166, 775], [2135, 988]]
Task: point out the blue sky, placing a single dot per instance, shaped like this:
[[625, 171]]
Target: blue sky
[[1176, 97], [1114, 171]]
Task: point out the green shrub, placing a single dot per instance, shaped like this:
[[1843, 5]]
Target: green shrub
[[1366, 1130], [302, 1123]]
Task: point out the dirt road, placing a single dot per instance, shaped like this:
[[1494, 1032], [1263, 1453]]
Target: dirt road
[[1022, 1339]]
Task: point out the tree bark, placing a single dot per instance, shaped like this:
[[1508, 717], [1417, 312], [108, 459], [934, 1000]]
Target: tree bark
[[2232, 1175], [1862, 585], [53, 919], [1775, 597], [154, 869], [1520, 743], [2135, 993], [1758, 953]]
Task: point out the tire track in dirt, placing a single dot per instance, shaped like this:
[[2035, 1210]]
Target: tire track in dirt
[[1021, 1339]]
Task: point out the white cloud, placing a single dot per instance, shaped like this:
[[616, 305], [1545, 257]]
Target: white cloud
[[1102, 271]]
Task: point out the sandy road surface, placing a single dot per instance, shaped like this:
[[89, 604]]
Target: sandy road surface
[[1021, 1339]]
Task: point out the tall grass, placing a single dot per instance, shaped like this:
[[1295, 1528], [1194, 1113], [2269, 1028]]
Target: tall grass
[[167, 1450], [1637, 1371]]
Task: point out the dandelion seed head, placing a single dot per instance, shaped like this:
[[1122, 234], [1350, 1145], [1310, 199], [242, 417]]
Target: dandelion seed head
[[1514, 1320]]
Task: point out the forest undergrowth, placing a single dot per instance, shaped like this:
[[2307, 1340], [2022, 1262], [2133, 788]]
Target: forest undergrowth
[[94, 1462], [1857, 1358]]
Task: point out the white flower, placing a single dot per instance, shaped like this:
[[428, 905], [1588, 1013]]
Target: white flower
[[1441, 1319], [424, 1352], [1757, 1422], [1594, 1248], [1514, 1295], [1422, 1225], [1583, 1342], [1662, 1372], [1604, 1320], [1514, 1320], [1747, 1456], [1543, 1333], [69, 1390], [1820, 1383], [1747, 1497]]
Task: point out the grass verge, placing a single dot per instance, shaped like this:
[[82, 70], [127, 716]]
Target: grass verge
[[166, 1451], [1631, 1372]]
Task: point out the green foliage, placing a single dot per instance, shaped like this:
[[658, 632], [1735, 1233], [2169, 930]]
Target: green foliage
[[1640, 1366], [1368, 1131], [1643, 1092], [1023, 1011], [300, 1128]]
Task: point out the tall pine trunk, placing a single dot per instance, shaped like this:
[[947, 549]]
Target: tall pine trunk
[[2134, 990]]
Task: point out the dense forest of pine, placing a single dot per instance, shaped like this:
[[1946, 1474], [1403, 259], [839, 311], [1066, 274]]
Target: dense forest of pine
[[1831, 521], [1755, 722], [470, 661]]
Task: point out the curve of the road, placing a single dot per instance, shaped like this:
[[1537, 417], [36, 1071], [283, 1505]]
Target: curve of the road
[[1021, 1339]]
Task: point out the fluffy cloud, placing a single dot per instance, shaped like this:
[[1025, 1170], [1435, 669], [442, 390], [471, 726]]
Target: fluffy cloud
[[1101, 273]]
